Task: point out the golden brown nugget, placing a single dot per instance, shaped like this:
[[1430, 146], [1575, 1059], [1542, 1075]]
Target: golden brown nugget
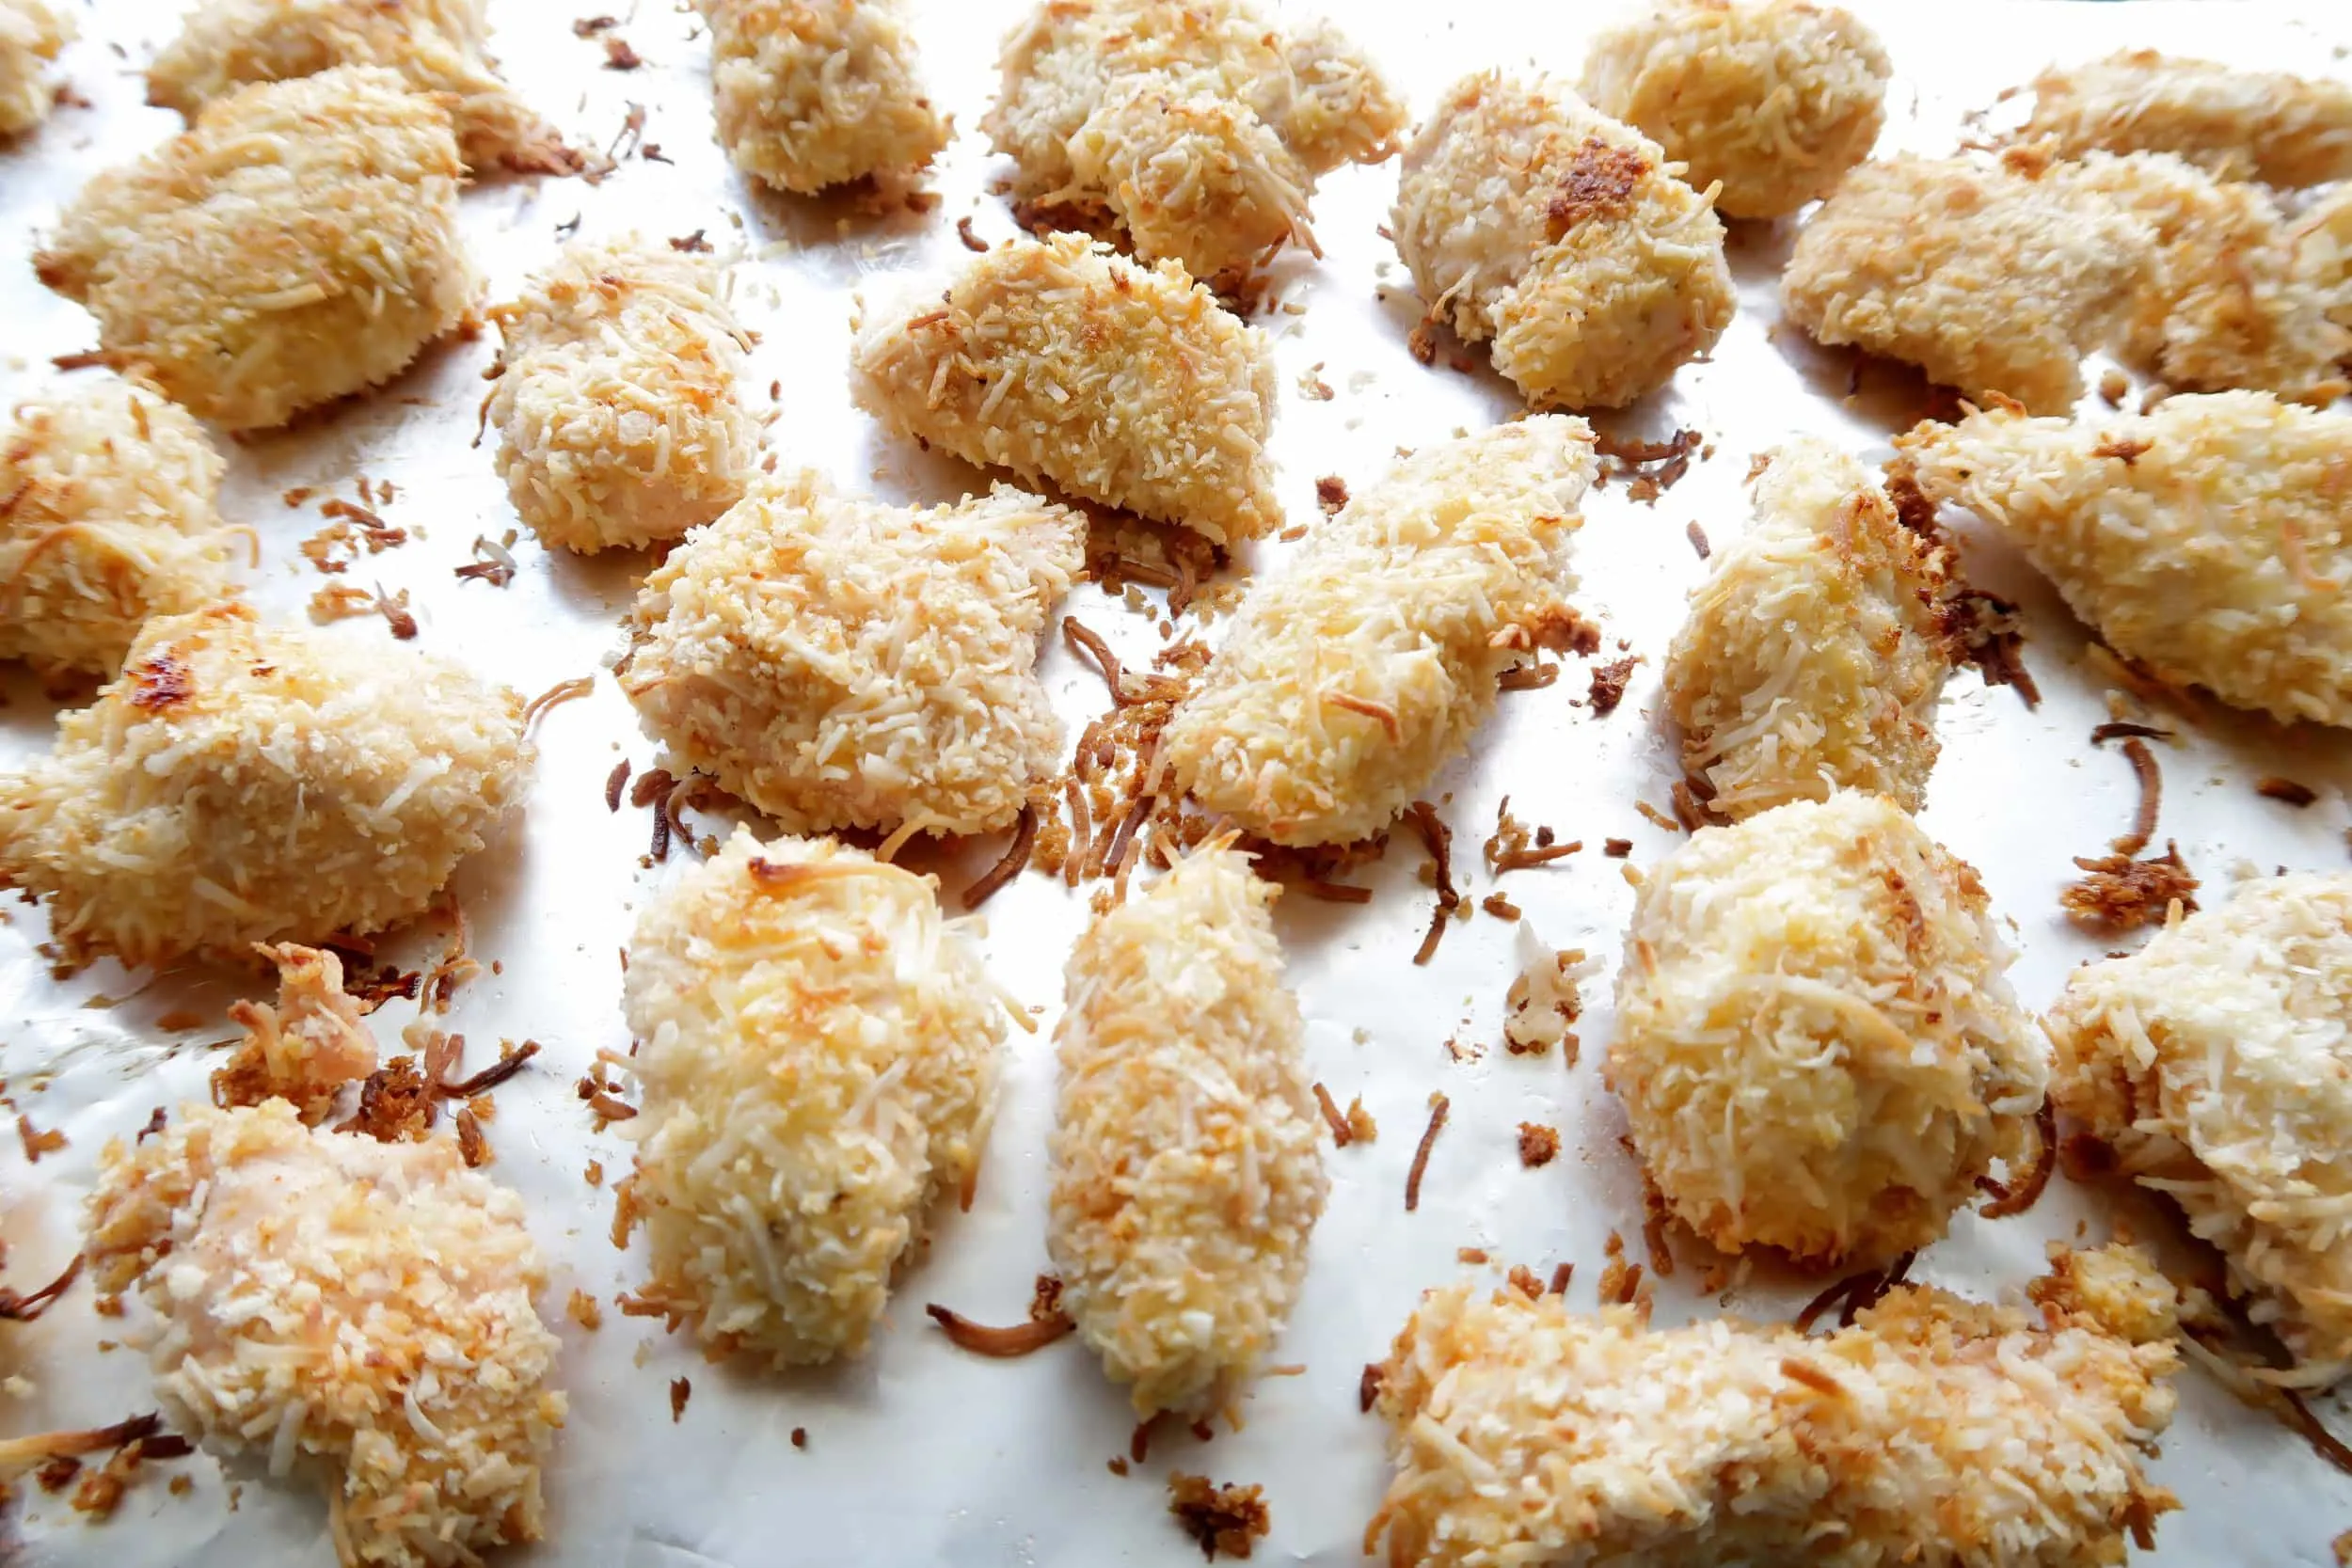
[[811, 93], [2239, 124], [32, 34]]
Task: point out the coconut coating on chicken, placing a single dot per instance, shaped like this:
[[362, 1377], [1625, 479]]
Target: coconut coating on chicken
[[2264, 125], [811, 93]]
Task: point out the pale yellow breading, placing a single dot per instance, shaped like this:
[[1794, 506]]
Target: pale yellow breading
[[620, 420], [299, 242], [2217, 1063], [1186, 1169], [1815, 1046], [1934, 1431], [818, 1053], [1356, 672], [2207, 539], [1200, 129], [362, 1310], [1529, 219], [241, 783], [1814, 653], [1769, 100], [32, 34], [1121, 384], [2240, 124], [842, 663], [811, 93], [304, 1049], [107, 495]]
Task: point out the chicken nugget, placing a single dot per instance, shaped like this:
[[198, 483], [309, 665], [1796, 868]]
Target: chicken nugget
[[2239, 124], [811, 93], [32, 34]]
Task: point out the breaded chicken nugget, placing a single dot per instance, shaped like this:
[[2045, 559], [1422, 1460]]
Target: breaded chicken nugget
[[1814, 654], [1061, 362], [2216, 1064], [1934, 1431], [1566, 237], [238, 783], [32, 34], [840, 663], [298, 244], [2207, 539], [2239, 124], [1187, 1173], [304, 1050], [619, 421], [1769, 100], [818, 1055], [1815, 1046], [1352, 676], [813, 93], [106, 517], [1199, 128], [362, 1308]]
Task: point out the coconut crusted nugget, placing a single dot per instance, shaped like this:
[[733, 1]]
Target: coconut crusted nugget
[[1814, 654], [619, 423], [1199, 127], [819, 1053], [1934, 1431], [240, 783], [361, 1310], [1121, 384], [1187, 1175], [2206, 540], [811, 93], [2240, 124], [841, 663], [32, 34], [299, 242], [1352, 676], [1815, 1046], [107, 495], [1566, 237], [1769, 100]]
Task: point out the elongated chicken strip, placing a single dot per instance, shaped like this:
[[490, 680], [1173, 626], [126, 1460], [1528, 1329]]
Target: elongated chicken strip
[[32, 34], [811, 93], [2240, 124]]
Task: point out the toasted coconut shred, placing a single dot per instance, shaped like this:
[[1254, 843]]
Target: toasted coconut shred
[[32, 34], [811, 93], [2238, 124]]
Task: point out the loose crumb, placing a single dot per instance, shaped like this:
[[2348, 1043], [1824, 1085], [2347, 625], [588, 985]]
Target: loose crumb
[[1116, 1465], [2117, 892], [1439, 1105], [1609, 683], [1616, 849], [1330, 494], [586, 1311], [619, 55], [800, 1437], [2276, 788], [1227, 1519], [1538, 1144], [681, 1389], [37, 1143], [595, 1173], [1523, 1280], [1360, 1127]]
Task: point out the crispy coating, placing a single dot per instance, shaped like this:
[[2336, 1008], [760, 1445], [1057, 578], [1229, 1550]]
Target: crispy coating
[[304, 1050], [363, 1309], [1814, 654], [619, 418], [1352, 676], [107, 495], [1187, 1173], [1568, 238], [1770, 101], [2216, 1064], [1934, 1431], [32, 34], [1987, 278], [239, 783], [2207, 539], [1199, 128], [1815, 1046], [818, 1053], [2239, 124], [1121, 384], [840, 663], [811, 93]]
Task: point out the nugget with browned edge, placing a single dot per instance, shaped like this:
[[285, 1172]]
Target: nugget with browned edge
[[2240, 124], [811, 93]]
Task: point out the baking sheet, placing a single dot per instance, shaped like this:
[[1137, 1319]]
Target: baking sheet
[[921, 1453]]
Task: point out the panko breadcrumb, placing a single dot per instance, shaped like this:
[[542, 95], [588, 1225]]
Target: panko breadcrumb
[[304, 1049], [618, 414], [841, 663], [1770, 101], [1187, 1173], [238, 783], [1986, 278], [299, 242], [364, 1309], [1814, 654], [1529, 219], [1121, 384], [1815, 1046], [1934, 1431], [2206, 539], [818, 1053], [1199, 128], [2285, 130], [811, 93], [32, 34], [2216, 1064], [107, 495], [1352, 676]]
